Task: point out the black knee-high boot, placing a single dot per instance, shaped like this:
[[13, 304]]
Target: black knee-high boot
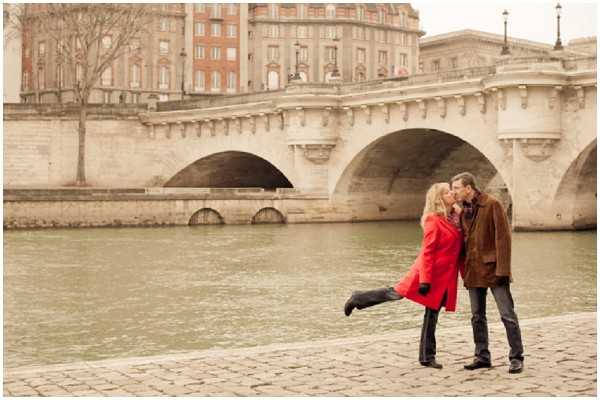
[[369, 298]]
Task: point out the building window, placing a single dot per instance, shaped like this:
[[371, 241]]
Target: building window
[[330, 32], [454, 62], [107, 42], [330, 11], [106, 79], [163, 77], [231, 9], [215, 30], [302, 31], [78, 73], [60, 76], [107, 97], [135, 98], [402, 19], [330, 54], [360, 56], [41, 78], [231, 54], [273, 10], [421, 66], [215, 53], [273, 53], [360, 11], [164, 25], [403, 59], [199, 84], [231, 31], [136, 72], [216, 11], [381, 16], [273, 31], [216, 80], [199, 52], [231, 81], [135, 45], [25, 80], [41, 49], [273, 80], [199, 8], [303, 56], [163, 47], [382, 57], [163, 97], [199, 29], [435, 65], [301, 10]]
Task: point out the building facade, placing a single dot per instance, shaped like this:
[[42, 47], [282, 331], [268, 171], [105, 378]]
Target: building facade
[[152, 65], [217, 45], [12, 55], [361, 41], [470, 48]]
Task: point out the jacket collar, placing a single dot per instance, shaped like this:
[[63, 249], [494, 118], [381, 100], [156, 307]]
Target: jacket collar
[[480, 200]]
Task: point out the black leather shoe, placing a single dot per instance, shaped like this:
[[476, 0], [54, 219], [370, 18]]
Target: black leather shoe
[[350, 304], [478, 364], [432, 364], [516, 366]]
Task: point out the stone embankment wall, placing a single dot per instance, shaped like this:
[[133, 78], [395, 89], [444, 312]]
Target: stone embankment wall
[[74, 208]]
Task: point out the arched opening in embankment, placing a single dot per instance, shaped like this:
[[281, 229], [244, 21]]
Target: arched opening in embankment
[[230, 169], [268, 215], [575, 200], [206, 216], [388, 179]]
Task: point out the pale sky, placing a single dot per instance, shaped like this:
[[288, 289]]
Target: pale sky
[[528, 19]]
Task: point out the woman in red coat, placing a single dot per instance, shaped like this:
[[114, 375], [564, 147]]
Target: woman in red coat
[[432, 279]]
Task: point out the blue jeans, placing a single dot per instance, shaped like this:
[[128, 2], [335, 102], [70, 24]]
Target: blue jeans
[[506, 307]]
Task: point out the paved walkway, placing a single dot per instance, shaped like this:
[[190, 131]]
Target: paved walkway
[[560, 361]]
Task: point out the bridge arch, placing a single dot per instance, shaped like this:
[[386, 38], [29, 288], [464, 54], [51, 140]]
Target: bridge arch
[[576, 196], [388, 178], [206, 216], [268, 215], [230, 169]]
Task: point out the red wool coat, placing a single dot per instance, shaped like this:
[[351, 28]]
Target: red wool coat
[[437, 264]]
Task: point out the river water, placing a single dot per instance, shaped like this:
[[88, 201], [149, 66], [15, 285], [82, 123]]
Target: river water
[[72, 295]]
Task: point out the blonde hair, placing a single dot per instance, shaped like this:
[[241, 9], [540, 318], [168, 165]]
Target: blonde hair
[[434, 203]]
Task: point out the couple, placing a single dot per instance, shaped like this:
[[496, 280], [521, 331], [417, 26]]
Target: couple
[[484, 262]]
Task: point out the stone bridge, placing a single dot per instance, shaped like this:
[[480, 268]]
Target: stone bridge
[[525, 127]]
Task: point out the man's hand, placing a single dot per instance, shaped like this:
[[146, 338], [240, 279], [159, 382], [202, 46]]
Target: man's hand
[[424, 288], [503, 280]]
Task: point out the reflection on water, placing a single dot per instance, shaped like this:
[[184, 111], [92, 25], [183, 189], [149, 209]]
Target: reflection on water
[[73, 295]]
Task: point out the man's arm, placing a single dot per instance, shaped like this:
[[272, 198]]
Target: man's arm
[[502, 237]]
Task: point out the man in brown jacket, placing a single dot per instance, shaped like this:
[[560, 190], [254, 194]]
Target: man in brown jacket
[[487, 265]]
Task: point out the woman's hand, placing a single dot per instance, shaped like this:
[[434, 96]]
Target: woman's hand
[[457, 209]]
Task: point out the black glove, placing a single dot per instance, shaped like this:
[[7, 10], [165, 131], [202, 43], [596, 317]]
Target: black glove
[[502, 280], [424, 288]]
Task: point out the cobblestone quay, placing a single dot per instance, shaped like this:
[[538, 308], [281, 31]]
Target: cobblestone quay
[[560, 361]]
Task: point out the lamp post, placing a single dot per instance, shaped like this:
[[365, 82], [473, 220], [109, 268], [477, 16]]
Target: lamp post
[[558, 45], [183, 55], [505, 50], [296, 76]]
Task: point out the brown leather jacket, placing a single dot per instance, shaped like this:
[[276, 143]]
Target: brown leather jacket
[[487, 243]]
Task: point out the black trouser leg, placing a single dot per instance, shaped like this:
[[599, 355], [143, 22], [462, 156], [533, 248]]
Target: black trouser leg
[[373, 297], [479, 323], [427, 345], [506, 307]]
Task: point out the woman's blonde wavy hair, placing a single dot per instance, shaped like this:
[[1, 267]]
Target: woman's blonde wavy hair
[[434, 203]]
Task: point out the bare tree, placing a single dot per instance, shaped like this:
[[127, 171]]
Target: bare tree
[[89, 39]]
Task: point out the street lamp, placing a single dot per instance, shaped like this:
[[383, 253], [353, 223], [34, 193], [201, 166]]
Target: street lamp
[[297, 49], [505, 50], [183, 55], [558, 45]]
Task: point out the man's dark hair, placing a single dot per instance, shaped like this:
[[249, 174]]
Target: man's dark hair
[[466, 178]]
